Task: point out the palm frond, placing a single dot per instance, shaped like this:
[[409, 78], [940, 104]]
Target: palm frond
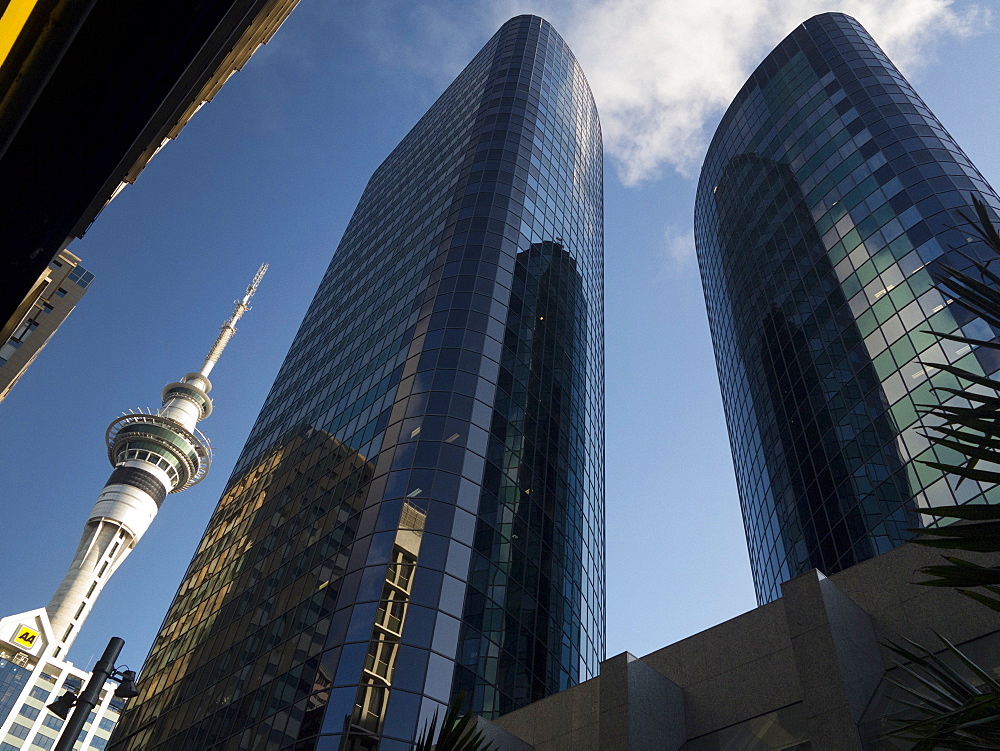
[[962, 573], [981, 225], [971, 512], [956, 708], [991, 602], [951, 711], [458, 731], [983, 475]]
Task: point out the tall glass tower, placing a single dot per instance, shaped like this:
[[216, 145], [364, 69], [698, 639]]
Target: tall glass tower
[[419, 509], [828, 196]]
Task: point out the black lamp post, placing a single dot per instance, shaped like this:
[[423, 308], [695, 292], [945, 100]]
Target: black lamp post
[[87, 700]]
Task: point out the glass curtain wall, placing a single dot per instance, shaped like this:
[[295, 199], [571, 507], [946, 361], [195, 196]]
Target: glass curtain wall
[[828, 198], [419, 508]]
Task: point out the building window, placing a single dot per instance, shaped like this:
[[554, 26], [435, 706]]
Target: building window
[[60, 292], [51, 721], [24, 330], [81, 276], [28, 711], [40, 693]]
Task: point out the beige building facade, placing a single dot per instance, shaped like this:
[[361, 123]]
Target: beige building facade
[[43, 310], [31, 677], [808, 671]]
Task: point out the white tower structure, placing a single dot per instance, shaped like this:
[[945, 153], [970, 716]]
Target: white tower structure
[[153, 454]]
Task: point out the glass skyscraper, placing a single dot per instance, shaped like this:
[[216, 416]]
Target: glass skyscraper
[[828, 197], [419, 508]]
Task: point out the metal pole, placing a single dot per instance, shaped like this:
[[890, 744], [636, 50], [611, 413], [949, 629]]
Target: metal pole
[[90, 694]]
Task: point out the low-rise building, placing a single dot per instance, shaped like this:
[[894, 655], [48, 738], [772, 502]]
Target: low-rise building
[[810, 670], [31, 677]]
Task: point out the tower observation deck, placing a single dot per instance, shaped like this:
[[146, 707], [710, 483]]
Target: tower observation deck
[[153, 454]]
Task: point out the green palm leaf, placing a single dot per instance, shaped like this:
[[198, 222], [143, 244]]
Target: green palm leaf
[[991, 602], [458, 731], [956, 708], [947, 709]]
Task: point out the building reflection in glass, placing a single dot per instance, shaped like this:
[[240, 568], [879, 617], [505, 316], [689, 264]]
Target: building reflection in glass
[[522, 610], [258, 593], [380, 662], [826, 433]]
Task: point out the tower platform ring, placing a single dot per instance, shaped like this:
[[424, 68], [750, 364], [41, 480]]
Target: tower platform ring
[[191, 449]]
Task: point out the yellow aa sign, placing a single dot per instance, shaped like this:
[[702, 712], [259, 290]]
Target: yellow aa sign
[[25, 637]]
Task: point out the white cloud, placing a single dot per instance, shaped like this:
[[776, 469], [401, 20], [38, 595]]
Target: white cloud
[[663, 72], [428, 40], [678, 250]]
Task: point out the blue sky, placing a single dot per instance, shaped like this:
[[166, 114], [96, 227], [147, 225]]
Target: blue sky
[[271, 171]]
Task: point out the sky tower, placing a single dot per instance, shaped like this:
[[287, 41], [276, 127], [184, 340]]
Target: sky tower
[[153, 454]]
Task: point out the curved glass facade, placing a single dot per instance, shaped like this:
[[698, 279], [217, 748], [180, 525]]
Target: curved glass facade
[[419, 509], [827, 198]]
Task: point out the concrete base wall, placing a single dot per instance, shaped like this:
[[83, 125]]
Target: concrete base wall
[[817, 649]]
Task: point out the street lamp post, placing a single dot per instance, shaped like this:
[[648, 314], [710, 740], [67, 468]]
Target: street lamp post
[[87, 700]]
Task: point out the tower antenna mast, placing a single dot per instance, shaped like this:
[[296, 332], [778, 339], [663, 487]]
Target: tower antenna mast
[[229, 327]]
